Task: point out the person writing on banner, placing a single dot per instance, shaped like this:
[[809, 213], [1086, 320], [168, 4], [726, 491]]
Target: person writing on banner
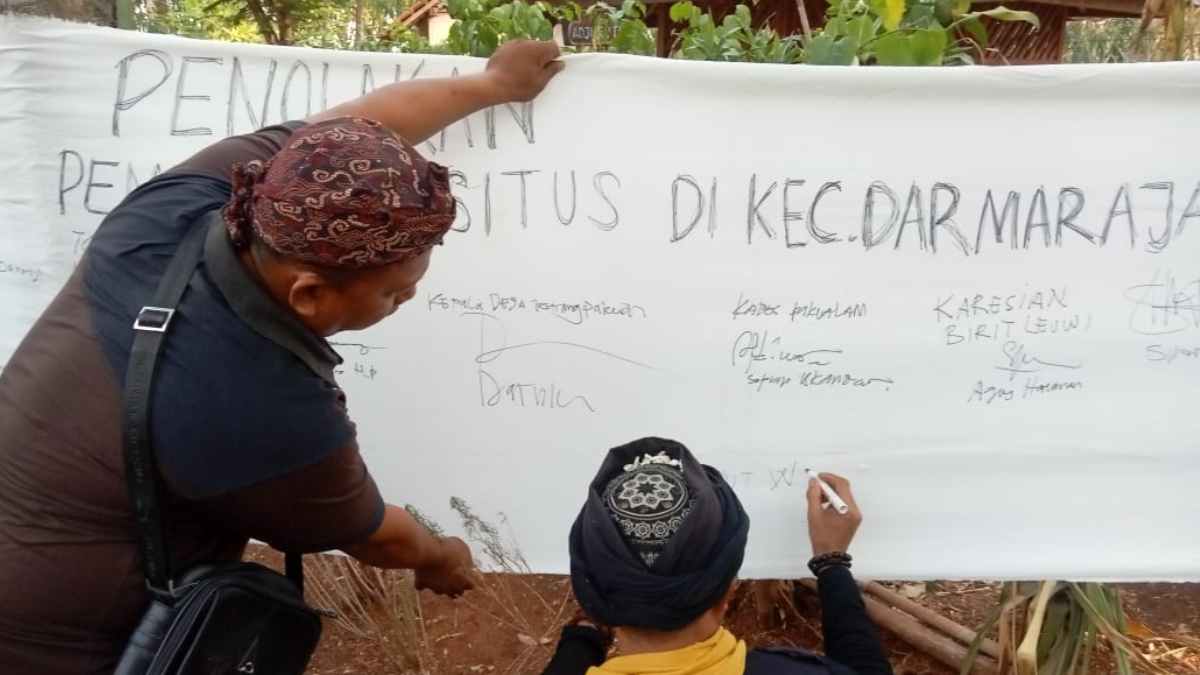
[[313, 227], [655, 552]]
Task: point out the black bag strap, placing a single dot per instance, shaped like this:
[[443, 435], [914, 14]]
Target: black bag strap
[[141, 471]]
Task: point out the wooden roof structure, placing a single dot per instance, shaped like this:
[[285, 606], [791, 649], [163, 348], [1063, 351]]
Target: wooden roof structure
[[1018, 43], [418, 13]]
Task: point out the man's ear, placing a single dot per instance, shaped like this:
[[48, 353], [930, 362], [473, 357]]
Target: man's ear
[[722, 605], [728, 598], [307, 295]]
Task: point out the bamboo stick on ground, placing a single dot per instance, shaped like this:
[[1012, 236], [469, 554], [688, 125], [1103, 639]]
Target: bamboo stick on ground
[[932, 618], [938, 646], [1027, 652]]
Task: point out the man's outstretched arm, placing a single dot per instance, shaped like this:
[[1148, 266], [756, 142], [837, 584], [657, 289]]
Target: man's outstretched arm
[[442, 564], [418, 109]]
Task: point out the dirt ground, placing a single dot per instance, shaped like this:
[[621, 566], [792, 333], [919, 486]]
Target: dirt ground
[[510, 625]]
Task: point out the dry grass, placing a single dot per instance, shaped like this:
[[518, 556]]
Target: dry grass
[[503, 592], [1050, 628], [374, 604], [383, 606]]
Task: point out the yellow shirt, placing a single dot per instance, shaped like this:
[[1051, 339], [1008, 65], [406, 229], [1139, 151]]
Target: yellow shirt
[[721, 654]]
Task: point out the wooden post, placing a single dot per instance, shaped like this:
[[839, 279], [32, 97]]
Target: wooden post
[[804, 21], [928, 616], [905, 627], [662, 12], [936, 645]]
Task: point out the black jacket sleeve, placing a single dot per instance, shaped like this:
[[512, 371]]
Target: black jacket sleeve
[[850, 637], [579, 648]]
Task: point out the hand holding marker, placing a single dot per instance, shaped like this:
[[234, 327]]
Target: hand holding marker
[[834, 500]]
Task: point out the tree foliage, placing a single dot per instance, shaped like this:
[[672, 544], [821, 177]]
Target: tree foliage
[[482, 25], [194, 19], [734, 39], [368, 25], [1175, 36], [855, 32], [276, 20], [1101, 41], [905, 33]]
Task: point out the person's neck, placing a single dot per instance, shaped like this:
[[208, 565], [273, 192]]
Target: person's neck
[[255, 268], [642, 641], [268, 278]]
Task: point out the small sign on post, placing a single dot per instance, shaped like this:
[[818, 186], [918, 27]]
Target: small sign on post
[[578, 33]]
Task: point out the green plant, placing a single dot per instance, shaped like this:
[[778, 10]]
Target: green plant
[[621, 29], [482, 25], [1055, 628], [904, 33], [565, 11], [734, 39]]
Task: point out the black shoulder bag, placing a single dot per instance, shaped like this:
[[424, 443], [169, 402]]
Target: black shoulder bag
[[219, 619]]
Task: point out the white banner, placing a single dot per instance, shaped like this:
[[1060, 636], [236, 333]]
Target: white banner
[[973, 291]]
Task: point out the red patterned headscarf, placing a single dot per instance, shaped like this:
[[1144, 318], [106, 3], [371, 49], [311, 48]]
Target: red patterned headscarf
[[344, 192]]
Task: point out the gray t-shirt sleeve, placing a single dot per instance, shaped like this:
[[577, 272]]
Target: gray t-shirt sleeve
[[217, 160], [327, 505]]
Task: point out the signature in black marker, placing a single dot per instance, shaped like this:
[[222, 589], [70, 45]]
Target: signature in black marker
[[490, 350], [751, 347], [1018, 361], [1164, 305]]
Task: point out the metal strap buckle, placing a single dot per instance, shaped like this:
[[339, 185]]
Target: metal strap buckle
[[154, 319], [167, 594]]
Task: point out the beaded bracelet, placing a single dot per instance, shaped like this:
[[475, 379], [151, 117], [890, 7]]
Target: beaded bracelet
[[824, 561]]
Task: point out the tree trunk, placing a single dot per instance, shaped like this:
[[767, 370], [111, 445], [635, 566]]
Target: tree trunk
[[358, 21], [284, 20], [265, 27]]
